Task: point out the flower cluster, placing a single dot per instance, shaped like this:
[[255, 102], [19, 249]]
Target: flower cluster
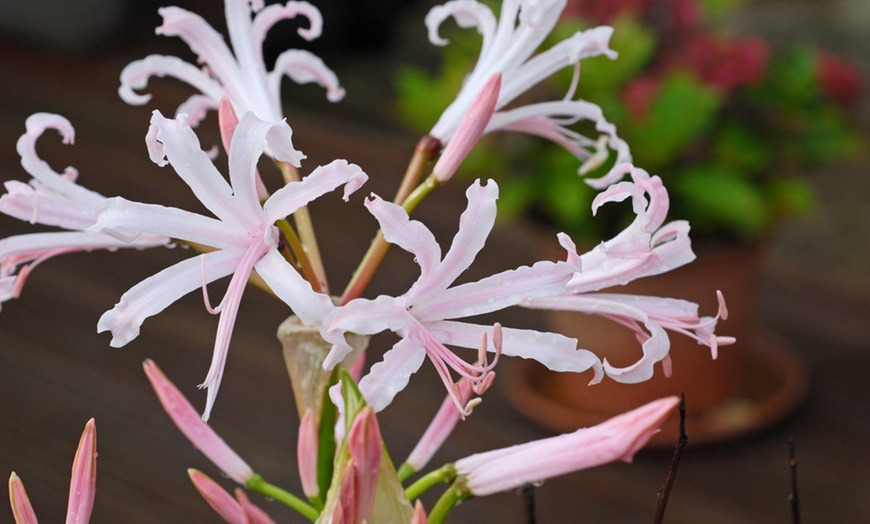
[[252, 234], [762, 119]]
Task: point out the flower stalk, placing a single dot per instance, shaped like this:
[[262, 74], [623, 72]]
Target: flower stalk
[[258, 485]]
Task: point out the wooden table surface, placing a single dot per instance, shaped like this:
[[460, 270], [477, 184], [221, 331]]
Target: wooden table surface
[[56, 372]]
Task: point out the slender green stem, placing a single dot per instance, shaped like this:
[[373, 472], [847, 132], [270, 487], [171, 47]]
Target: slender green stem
[[405, 472], [419, 193], [456, 493], [305, 226], [442, 475], [257, 484], [427, 148]]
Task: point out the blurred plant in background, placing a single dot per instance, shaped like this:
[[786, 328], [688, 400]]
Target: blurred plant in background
[[730, 125]]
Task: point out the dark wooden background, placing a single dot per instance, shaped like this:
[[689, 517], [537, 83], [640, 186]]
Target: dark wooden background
[[56, 372]]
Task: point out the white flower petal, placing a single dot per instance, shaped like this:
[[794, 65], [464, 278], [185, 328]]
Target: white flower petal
[[181, 148], [322, 180], [121, 215], [475, 225], [157, 292], [553, 350], [136, 74], [304, 67], [295, 291], [410, 235], [389, 376]]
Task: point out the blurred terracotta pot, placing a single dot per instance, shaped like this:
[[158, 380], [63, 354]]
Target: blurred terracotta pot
[[751, 384]]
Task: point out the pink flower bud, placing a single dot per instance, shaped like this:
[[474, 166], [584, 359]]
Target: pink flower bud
[[22, 510], [470, 130], [616, 439], [222, 502], [306, 454], [200, 434], [83, 481]]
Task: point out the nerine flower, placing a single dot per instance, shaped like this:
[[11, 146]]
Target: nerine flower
[[645, 248], [508, 45], [427, 316], [238, 75], [240, 237], [51, 199]]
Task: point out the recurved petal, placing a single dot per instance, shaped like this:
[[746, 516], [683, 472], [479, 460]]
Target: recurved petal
[[136, 74], [39, 169], [246, 147], [322, 180], [550, 120], [204, 41], [655, 341], [304, 67], [585, 44], [467, 13], [495, 292], [41, 205], [274, 13]]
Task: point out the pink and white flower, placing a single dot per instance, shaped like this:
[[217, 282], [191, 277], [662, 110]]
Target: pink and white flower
[[52, 199], [508, 45], [424, 316], [241, 236], [238, 75], [645, 248]]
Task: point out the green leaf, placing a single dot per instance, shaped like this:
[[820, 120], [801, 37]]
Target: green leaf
[[566, 198], [353, 398], [739, 148], [791, 196], [683, 109], [421, 98], [326, 444], [717, 200]]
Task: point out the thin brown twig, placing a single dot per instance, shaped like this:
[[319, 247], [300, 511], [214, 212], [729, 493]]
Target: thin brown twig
[[793, 496], [528, 494], [665, 492]]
